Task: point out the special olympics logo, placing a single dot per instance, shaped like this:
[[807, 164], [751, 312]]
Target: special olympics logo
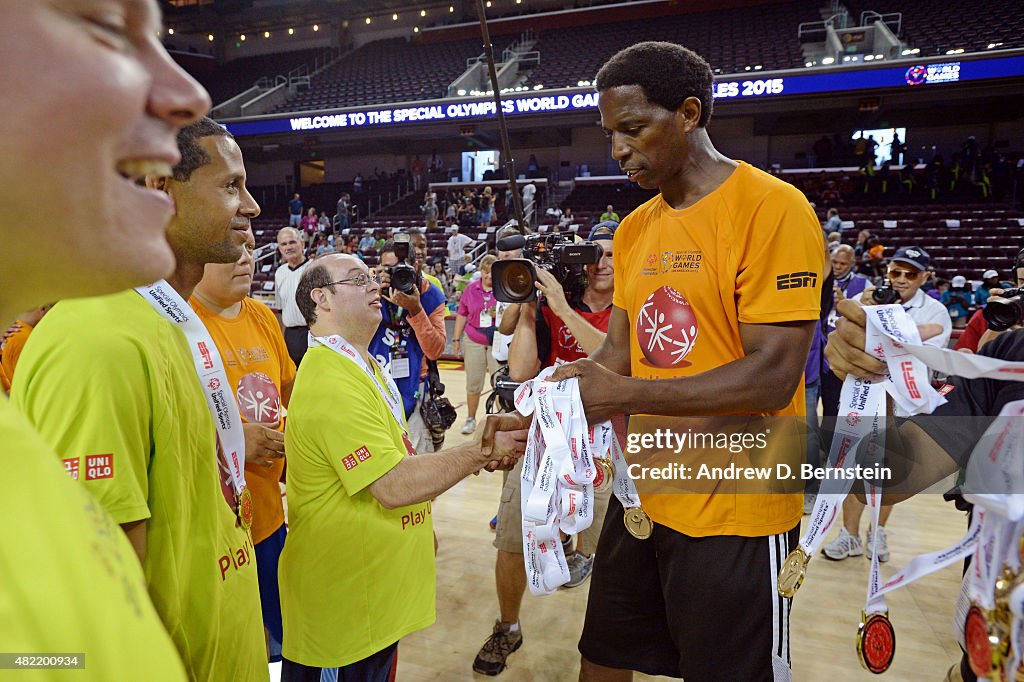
[[652, 260], [214, 384], [917, 75], [258, 398], [853, 419], [666, 328]]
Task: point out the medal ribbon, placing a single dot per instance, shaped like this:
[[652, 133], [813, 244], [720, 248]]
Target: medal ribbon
[[210, 372], [559, 470], [390, 393]]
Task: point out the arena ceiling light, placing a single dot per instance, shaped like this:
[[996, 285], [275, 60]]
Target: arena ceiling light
[[451, 9], [415, 29], [992, 46], [368, 21], [828, 60], [316, 27], [242, 37], [210, 37], [170, 31], [394, 17], [291, 31], [266, 34], [423, 12]]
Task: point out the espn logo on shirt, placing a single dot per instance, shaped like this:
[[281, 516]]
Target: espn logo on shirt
[[99, 466], [356, 458], [796, 280], [71, 466], [204, 352]]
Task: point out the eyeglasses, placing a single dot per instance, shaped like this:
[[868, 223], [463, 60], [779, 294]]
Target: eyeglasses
[[360, 280], [905, 274]]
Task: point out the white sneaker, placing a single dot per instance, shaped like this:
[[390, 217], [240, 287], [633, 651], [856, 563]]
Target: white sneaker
[[469, 427], [845, 545], [882, 546]]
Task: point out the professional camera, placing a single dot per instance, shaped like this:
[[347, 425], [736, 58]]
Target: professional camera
[[1003, 312], [558, 253], [403, 275], [885, 294]]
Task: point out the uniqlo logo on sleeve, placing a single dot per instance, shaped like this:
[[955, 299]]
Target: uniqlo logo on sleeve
[[71, 466], [99, 466], [356, 458]]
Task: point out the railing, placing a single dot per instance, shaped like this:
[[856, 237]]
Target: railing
[[894, 20], [806, 30]]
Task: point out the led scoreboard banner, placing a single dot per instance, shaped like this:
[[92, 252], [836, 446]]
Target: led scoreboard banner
[[907, 75]]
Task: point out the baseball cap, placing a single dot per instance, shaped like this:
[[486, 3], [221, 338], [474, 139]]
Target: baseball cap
[[913, 255], [959, 281], [990, 273]]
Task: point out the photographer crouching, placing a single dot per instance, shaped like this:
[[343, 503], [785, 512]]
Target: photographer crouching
[[411, 335], [568, 323]]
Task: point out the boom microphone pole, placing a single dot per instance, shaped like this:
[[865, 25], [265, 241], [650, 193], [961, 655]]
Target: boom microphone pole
[[510, 163]]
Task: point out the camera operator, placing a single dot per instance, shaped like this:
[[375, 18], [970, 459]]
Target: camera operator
[[560, 329], [977, 332], [908, 270], [411, 332]]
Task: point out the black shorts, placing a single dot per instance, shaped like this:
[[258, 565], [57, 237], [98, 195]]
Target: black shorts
[[705, 609]]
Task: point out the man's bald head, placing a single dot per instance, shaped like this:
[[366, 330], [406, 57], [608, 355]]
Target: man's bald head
[[842, 260]]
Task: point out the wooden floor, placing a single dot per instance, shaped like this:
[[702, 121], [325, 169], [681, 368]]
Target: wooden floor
[[824, 620]]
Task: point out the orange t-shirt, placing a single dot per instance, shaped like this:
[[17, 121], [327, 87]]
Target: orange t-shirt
[[10, 351], [750, 252], [258, 366]]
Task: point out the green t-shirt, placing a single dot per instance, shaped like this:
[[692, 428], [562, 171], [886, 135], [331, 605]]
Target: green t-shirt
[[69, 579], [110, 385], [355, 577]]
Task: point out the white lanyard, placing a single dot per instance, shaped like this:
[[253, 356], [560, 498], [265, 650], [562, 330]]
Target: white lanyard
[[391, 396], [212, 378], [562, 461], [861, 410]]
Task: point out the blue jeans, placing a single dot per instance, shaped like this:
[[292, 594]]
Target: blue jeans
[[813, 434]]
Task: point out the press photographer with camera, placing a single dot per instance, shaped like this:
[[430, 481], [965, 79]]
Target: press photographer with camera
[[411, 333], [1007, 312], [567, 324], [908, 270]]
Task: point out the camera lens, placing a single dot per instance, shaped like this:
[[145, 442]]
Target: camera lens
[[1003, 313], [403, 278], [514, 281]]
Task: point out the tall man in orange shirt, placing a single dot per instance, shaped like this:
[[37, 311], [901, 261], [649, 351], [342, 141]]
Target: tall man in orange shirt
[[717, 284], [261, 375]]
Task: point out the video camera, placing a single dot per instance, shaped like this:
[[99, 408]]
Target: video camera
[[403, 275], [558, 253], [1003, 312]]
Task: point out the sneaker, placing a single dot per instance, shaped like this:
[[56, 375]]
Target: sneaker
[[808, 503], [580, 568], [491, 659], [493, 523], [567, 546], [882, 546], [845, 545], [469, 427]]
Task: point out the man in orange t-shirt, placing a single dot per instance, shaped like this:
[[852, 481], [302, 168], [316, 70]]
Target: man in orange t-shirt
[[14, 342], [261, 374], [717, 293]]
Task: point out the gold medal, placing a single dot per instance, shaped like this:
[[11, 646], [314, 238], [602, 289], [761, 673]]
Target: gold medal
[[605, 473], [245, 509], [638, 523], [985, 645], [876, 642], [791, 577]]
